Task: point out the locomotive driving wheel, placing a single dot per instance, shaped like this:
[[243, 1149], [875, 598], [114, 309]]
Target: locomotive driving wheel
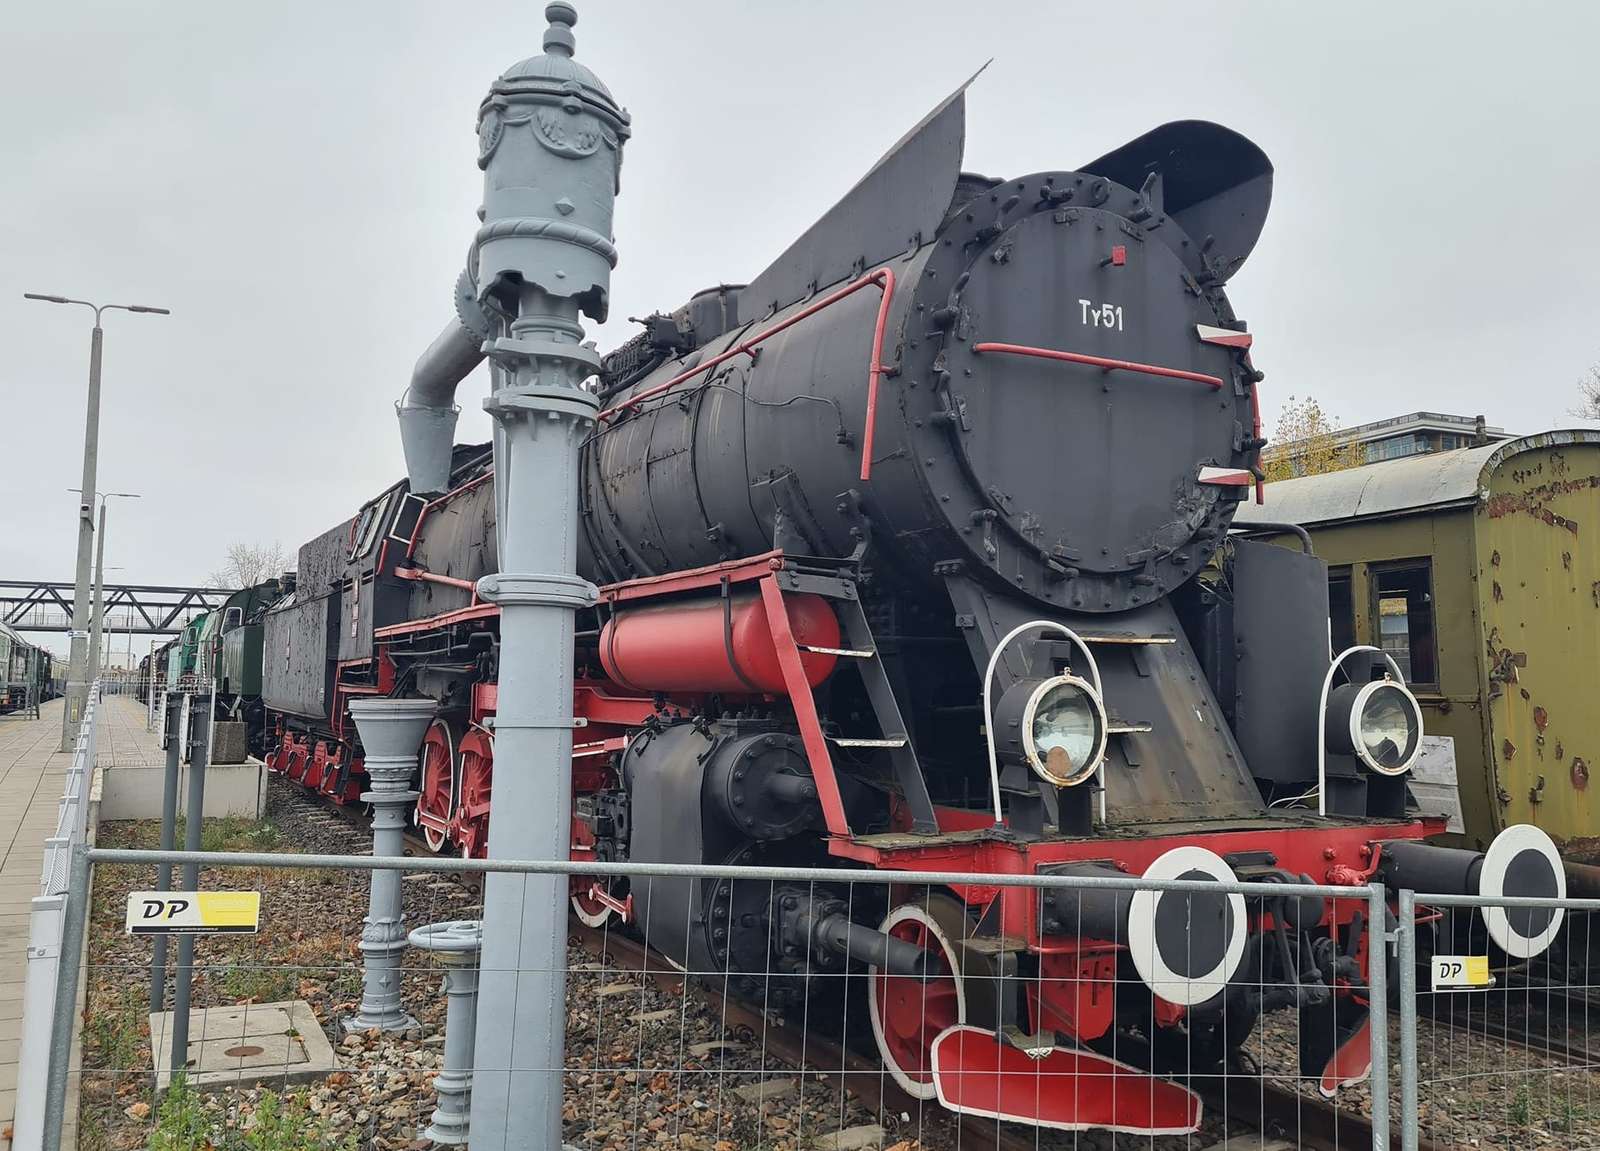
[[589, 910], [436, 794], [470, 827], [908, 1014]]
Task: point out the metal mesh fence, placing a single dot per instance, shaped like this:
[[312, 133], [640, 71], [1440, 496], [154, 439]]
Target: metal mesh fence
[[787, 1036], [1501, 1048]]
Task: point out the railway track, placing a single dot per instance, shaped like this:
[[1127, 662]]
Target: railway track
[[1538, 1029]]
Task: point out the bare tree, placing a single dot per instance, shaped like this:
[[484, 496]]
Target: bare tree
[[247, 565], [1588, 407], [1307, 443]]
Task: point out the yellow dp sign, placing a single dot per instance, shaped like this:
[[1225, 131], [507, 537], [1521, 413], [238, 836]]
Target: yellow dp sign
[[1461, 973], [193, 912]]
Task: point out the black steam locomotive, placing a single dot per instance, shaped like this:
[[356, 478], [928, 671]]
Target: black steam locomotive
[[914, 553]]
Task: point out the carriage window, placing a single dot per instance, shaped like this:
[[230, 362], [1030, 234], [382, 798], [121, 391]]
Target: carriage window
[[366, 533], [1402, 606], [1341, 610]]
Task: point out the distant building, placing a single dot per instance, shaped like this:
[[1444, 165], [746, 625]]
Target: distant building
[[1417, 433], [1413, 434]]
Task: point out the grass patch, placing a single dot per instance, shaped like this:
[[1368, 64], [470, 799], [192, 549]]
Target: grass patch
[[259, 984], [233, 833], [277, 1123], [118, 1034]]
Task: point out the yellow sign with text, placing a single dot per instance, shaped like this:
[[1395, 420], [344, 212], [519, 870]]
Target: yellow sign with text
[[193, 912], [1461, 973]]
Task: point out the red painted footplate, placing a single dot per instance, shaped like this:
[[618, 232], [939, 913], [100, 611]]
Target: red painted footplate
[[1351, 1063], [1069, 1090]]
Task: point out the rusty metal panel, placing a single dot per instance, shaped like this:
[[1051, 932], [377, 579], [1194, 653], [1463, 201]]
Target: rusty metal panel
[[1538, 544]]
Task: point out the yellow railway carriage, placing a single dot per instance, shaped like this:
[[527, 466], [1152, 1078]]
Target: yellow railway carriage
[[1479, 570]]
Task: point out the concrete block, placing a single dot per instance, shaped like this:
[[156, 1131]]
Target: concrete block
[[228, 743], [248, 1044]]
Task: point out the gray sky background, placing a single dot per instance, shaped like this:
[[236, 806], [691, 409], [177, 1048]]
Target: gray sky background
[[296, 181]]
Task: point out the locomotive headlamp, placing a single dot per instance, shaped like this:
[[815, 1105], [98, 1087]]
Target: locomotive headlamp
[[1379, 722], [1063, 728]]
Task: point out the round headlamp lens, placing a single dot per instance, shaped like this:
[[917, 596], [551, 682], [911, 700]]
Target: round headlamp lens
[[1068, 732], [1389, 728]]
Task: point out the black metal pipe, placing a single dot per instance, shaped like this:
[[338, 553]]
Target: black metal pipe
[[793, 789], [840, 934], [1425, 867], [1583, 881], [1276, 527], [1086, 913]]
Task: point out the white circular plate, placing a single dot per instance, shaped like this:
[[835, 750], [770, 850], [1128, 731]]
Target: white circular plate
[[1507, 846], [1147, 959]]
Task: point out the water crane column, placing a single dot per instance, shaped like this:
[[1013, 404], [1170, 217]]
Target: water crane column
[[550, 140]]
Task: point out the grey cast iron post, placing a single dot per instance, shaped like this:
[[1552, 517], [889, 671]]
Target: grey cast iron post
[[194, 808], [391, 731], [169, 825], [77, 668], [550, 144], [456, 944]]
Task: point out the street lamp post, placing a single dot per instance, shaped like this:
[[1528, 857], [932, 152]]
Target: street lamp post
[[97, 624], [77, 671]]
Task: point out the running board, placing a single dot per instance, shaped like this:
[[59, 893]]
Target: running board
[[1066, 1089], [844, 742], [842, 652], [1125, 637]]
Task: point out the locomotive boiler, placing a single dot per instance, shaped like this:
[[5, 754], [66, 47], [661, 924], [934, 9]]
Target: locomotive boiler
[[913, 553]]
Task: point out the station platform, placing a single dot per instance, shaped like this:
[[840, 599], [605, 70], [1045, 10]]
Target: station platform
[[32, 777]]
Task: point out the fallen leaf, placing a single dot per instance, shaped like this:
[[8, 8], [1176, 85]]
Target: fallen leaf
[[140, 1110]]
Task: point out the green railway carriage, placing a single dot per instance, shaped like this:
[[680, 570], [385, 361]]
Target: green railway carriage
[[183, 663], [25, 671], [1479, 570]]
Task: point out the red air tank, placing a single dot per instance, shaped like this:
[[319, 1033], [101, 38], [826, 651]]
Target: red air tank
[[712, 645]]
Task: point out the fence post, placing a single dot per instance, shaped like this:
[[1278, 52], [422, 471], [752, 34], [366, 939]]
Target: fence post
[[38, 1005], [73, 921], [169, 823], [194, 816], [1408, 1020], [1378, 1006]]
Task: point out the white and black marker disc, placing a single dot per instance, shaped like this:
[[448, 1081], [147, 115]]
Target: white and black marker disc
[[1187, 945], [1522, 862]]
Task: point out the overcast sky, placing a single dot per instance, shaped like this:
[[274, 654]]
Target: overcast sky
[[296, 181]]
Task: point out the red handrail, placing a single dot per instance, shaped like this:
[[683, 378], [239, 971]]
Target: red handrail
[[434, 577], [883, 277], [1213, 382]]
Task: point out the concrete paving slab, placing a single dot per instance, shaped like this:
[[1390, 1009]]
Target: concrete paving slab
[[258, 1043], [33, 775]]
